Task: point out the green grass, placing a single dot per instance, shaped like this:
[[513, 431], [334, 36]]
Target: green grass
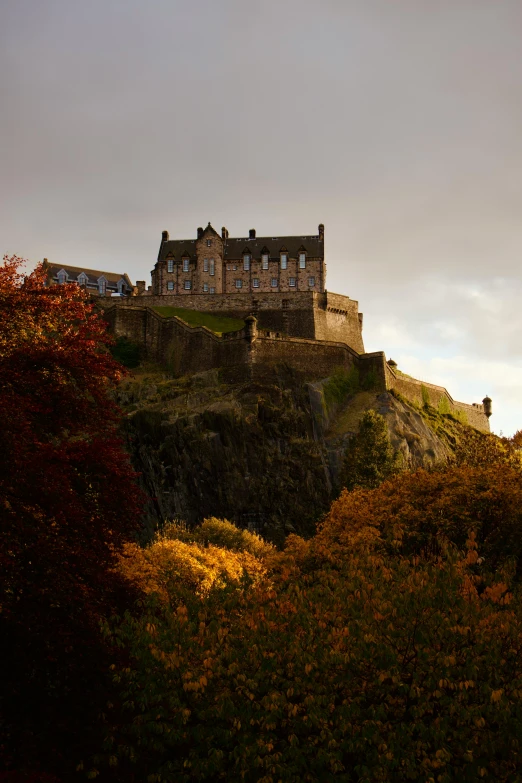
[[215, 323]]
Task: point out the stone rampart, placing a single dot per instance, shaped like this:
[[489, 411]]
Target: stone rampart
[[422, 391], [307, 314], [184, 350]]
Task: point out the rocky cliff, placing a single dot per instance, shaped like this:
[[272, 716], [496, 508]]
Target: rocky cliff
[[266, 455]]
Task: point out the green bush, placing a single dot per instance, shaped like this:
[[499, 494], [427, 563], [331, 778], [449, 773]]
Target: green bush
[[444, 406], [369, 458], [126, 352]]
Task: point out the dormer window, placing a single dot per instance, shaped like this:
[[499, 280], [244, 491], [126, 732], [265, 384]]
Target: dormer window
[[246, 262], [284, 260], [170, 265], [264, 261], [102, 285], [62, 276], [186, 262], [302, 260], [82, 278]]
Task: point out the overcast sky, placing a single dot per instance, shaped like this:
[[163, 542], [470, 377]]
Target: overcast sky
[[396, 123]]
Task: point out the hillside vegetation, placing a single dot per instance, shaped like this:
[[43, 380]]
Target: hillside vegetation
[[269, 453]]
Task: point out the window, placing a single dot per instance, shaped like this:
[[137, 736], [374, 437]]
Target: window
[[187, 285], [291, 282], [311, 281], [264, 261], [239, 283], [205, 264], [170, 265], [186, 262], [205, 288], [209, 243], [62, 277], [212, 290], [284, 261], [102, 285], [211, 266], [255, 282], [82, 278], [302, 260], [170, 285], [246, 262], [273, 282]]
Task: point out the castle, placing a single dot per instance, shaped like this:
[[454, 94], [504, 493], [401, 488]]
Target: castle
[[276, 287]]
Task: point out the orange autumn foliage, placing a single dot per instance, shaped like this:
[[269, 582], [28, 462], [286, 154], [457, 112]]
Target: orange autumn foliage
[[169, 564], [376, 652]]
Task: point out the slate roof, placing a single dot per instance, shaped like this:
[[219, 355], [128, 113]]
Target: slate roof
[[234, 247], [92, 274]]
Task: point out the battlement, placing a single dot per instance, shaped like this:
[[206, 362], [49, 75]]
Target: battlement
[[308, 314], [184, 350]]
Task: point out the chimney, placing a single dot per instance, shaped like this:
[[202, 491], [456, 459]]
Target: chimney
[[200, 232], [321, 231], [252, 233], [140, 284], [164, 236], [486, 402], [224, 233]]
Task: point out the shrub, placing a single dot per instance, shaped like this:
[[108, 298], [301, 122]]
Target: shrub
[[126, 352], [369, 457]]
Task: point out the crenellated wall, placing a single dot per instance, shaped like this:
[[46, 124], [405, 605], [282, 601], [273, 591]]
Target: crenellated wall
[[184, 350], [312, 315], [422, 391]]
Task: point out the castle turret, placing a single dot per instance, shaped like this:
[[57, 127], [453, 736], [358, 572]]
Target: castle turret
[[486, 402]]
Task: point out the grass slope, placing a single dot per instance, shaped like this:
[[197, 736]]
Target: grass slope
[[216, 323]]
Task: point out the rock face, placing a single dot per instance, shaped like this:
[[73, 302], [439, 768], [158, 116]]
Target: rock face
[[265, 455]]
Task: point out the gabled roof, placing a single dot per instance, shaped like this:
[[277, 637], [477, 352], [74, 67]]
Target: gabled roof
[[234, 248], [93, 275], [313, 246]]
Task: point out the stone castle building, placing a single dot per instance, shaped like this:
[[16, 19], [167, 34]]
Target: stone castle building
[[214, 264]]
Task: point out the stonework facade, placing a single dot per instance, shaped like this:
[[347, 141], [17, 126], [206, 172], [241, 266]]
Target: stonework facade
[[212, 264]]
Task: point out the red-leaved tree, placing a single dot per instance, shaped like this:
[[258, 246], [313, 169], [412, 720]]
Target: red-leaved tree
[[68, 500]]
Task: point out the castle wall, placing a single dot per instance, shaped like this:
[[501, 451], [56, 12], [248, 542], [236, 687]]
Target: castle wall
[[306, 314], [337, 318], [184, 349], [420, 391], [181, 348], [314, 359]]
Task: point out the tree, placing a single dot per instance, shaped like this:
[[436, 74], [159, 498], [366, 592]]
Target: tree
[[369, 458], [67, 503], [358, 665]]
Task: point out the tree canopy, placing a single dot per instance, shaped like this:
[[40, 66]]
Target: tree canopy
[[67, 500]]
